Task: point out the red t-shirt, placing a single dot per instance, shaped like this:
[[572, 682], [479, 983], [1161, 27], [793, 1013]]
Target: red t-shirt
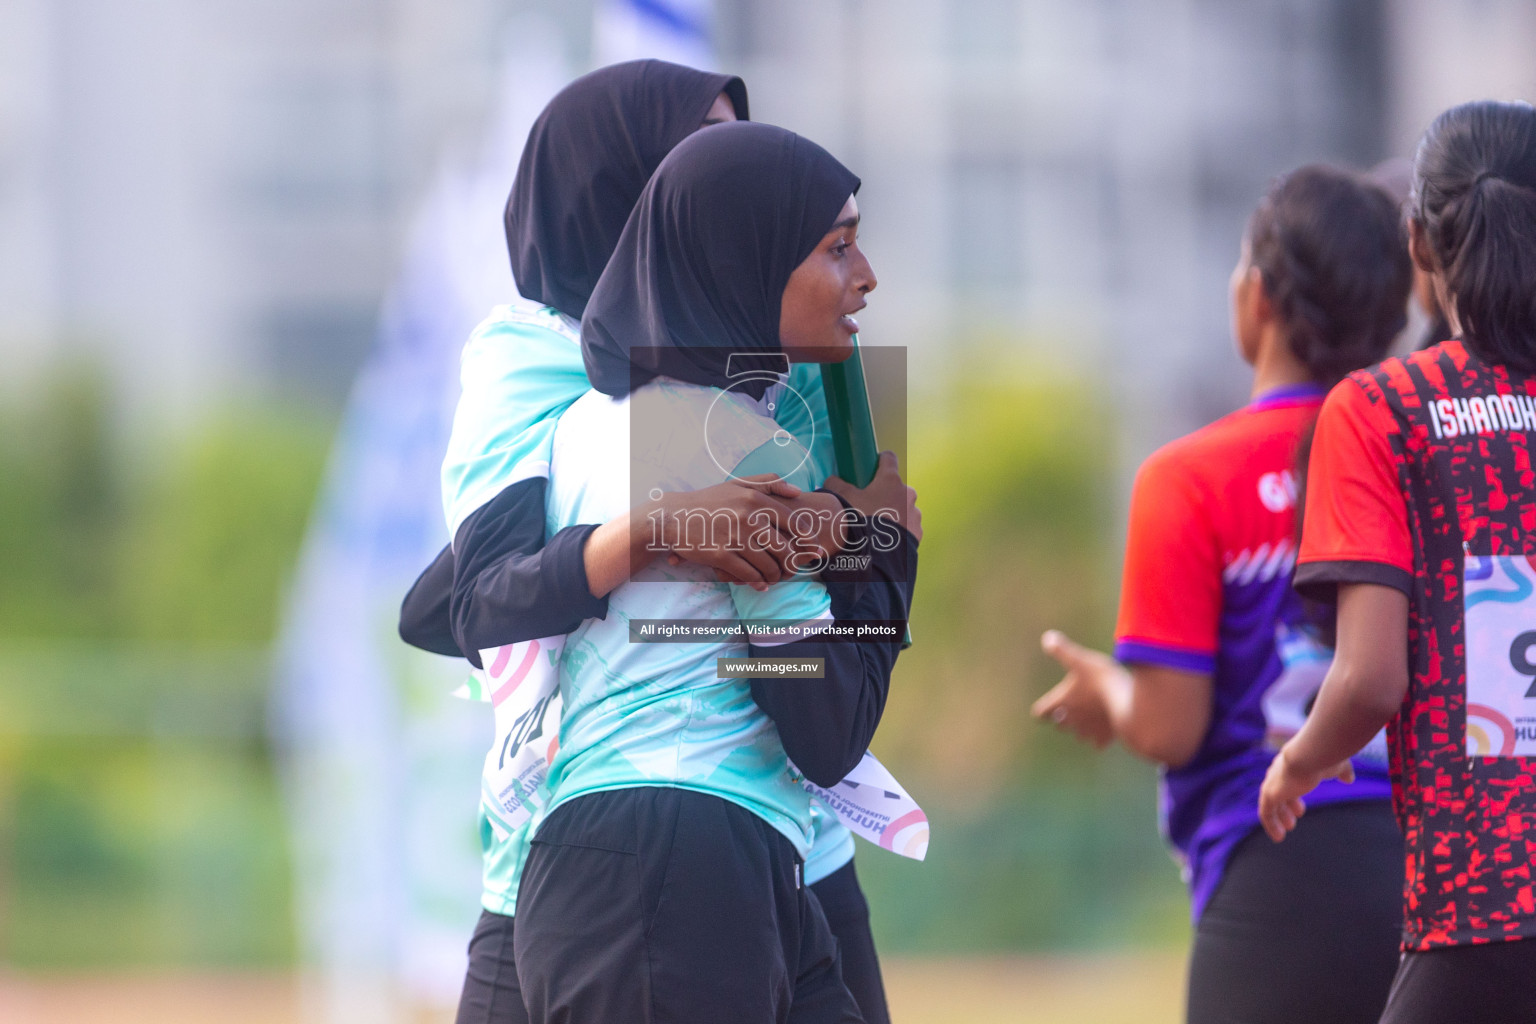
[[1207, 589], [1421, 479]]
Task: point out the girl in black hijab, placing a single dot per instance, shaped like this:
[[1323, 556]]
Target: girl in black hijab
[[586, 160], [588, 156], [700, 272], [662, 884]]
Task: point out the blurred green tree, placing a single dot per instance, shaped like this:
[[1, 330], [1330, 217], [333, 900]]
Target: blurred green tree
[[1038, 842], [138, 598], [61, 510], [193, 551], [212, 536]]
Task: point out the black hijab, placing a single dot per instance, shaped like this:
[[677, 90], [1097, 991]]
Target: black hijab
[[588, 156], [700, 270]]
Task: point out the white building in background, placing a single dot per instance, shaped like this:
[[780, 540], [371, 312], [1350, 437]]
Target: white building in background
[[1070, 176], [1442, 53], [211, 194], [1073, 177]]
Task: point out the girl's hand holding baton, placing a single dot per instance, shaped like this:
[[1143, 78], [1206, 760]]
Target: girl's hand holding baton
[[887, 493]]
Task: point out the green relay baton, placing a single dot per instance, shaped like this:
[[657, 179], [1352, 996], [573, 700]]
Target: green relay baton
[[853, 425]]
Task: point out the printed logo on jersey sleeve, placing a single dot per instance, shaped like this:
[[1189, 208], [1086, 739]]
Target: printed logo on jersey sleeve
[[1278, 490]]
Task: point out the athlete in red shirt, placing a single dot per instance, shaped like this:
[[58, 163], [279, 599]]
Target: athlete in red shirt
[[1420, 514], [1221, 662]]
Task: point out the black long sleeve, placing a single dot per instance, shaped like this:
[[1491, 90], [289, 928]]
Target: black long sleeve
[[506, 588], [827, 724], [508, 584], [424, 620], [530, 592], [500, 583]]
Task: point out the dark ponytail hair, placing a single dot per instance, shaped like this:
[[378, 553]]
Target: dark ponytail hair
[[1474, 194], [1331, 248]]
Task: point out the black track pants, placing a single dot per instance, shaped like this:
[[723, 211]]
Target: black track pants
[[655, 904], [1307, 929]]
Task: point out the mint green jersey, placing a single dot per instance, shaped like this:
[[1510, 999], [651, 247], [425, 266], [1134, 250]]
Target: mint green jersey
[[520, 370], [654, 714]]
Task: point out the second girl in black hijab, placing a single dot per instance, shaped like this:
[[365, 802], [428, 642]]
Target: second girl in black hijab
[[663, 878], [586, 160]]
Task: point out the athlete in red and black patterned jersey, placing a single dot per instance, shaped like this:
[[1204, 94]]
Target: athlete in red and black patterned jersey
[[1421, 481], [1421, 517]]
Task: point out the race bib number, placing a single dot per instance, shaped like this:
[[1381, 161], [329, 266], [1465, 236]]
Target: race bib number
[[1501, 655], [872, 804], [522, 683]]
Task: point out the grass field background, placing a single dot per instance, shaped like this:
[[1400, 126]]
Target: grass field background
[[146, 869], [1143, 988]]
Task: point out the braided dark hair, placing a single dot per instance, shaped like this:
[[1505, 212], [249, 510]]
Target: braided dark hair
[[1331, 248], [1474, 195]]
